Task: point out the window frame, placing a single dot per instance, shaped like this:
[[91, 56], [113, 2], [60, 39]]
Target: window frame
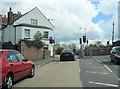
[[10, 58], [20, 60], [46, 35], [34, 21], [27, 31]]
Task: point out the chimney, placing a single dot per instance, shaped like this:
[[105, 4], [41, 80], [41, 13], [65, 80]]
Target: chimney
[[4, 16], [10, 17], [19, 13]]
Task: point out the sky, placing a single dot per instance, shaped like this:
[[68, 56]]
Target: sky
[[72, 17]]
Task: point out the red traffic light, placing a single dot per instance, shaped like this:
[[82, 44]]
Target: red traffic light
[[50, 38], [84, 37]]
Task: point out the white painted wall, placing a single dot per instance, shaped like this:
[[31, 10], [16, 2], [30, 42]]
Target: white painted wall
[[34, 14], [119, 20], [18, 33], [9, 34]]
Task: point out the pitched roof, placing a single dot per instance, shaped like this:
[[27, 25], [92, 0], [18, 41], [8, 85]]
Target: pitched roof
[[29, 12]]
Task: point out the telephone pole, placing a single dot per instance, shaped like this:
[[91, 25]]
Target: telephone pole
[[113, 34]]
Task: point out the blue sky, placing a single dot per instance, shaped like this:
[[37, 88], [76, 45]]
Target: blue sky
[[102, 16]]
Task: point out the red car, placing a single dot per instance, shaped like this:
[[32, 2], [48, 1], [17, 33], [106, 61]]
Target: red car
[[13, 66]]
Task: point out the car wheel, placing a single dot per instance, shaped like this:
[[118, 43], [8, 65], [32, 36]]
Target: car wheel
[[8, 82], [32, 72], [116, 61]]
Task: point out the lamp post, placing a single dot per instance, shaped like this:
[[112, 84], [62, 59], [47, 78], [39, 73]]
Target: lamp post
[[113, 34]]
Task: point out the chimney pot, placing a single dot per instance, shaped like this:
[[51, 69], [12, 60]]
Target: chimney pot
[[4, 16]]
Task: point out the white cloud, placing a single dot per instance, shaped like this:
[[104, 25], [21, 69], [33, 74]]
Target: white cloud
[[108, 8], [71, 15]]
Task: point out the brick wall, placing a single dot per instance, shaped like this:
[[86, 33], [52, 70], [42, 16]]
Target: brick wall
[[101, 52], [32, 53]]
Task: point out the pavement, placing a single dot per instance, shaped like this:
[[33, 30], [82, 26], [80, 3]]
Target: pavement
[[39, 63]]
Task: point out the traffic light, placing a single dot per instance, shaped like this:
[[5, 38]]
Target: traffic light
[[87, 41], [84, 39], [51, 40], [107, 42], [80, 41]]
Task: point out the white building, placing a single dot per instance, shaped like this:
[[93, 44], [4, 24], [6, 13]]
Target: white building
[[25, 26]]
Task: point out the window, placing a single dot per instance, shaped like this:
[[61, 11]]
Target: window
[[34, 21], [11, 57], [1, 52], [46, 47], [20, 57], [45, 34], [27, 33]]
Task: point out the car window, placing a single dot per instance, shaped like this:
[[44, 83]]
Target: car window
[[66, 51], [118, 50], [1, 52], [20, 57], [11, 57]]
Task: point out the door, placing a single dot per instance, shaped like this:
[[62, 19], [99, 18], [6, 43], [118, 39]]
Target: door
[[26, 66], [15, 66]]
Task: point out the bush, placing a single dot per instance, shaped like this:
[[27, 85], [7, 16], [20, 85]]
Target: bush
[[59, 50], [35, 43]]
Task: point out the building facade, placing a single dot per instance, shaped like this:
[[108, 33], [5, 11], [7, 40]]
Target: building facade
[[26, 26]]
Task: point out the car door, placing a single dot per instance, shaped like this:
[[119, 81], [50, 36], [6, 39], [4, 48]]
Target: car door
[[26, 66], [113, 53], [15, 66]]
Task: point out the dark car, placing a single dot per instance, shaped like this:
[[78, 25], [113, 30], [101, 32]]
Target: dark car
[[67, 55], [115, 54], [13, 66]]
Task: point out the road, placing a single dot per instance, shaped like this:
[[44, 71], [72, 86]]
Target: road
[[95, 71]]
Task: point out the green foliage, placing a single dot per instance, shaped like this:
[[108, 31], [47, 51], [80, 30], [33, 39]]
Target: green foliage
[[59, 50], [72, 46], [97, 46], [37, 42], [38, 36]]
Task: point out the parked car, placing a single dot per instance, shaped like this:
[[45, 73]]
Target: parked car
[[115, 54], [13, 66], [67, 55]]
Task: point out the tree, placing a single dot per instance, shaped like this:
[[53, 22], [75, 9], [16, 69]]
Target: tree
[[64, 46], [38, 36], [37, 42], [72, 46], [56, 45], [59, 50]]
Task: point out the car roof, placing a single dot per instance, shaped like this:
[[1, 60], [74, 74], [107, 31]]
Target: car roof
[[116, 47], [7, 50]]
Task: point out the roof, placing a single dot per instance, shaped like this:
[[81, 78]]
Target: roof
[[29, 12]]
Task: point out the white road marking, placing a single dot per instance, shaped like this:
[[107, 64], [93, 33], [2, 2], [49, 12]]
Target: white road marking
[[105, 66], [96, 72], [112, 85], [118, 79], [99, 67], [99, 61], [108, 68]]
